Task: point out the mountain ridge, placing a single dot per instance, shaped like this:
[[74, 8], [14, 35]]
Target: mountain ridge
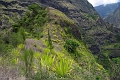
[[105, 10]]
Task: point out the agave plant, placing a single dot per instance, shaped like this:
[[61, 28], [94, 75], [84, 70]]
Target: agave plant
[[15, 55], [47, 60], [63, 67]]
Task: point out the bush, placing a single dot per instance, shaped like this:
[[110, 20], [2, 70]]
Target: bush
[[16, 39], [71, 45], [35, 8]]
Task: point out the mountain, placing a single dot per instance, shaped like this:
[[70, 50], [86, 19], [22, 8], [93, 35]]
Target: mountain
[[105, 10], [64, 33], [114, 17]]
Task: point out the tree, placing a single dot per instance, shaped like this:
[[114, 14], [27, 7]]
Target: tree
[[49, 41], [28, 61]]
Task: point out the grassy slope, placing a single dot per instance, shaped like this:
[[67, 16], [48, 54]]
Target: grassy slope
[[84, 65]]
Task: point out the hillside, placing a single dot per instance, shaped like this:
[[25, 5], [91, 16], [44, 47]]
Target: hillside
[[114, 17], [56, 40], [41, 50], [95, 32], [86, 18]]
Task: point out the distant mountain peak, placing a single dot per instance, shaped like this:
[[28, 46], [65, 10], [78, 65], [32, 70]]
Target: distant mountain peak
[[114, 18], [107, 9]]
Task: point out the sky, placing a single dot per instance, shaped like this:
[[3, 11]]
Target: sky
[[104, 2]]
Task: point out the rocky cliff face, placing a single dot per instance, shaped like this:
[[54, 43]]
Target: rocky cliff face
[[114, 18], [94, 30], [10, 11]]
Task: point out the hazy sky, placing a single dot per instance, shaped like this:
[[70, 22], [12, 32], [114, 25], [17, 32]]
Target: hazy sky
[[99, 2]]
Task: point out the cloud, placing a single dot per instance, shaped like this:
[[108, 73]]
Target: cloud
[[99, 2]]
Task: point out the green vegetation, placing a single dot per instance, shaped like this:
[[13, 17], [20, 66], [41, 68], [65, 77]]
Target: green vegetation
[[49, 41], [32, 21], [113, 63], [63, 67], [47, 60], [29, 26], [71, 45], [17, 38], [118, 37], [94, 17], [42, 61], [28, 61], [90, 16]]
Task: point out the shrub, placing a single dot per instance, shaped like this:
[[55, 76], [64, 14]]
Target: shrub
[[16, 39], [35, 8], [22, 33], [71, 45]]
